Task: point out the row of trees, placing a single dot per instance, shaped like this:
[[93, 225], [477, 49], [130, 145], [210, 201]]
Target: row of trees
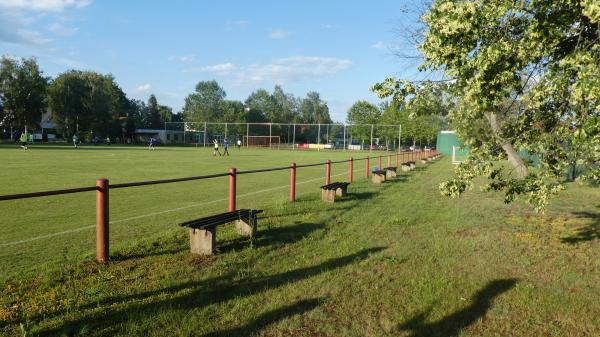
[[79, 100], [86, 100], [420, 119], [208, 103]]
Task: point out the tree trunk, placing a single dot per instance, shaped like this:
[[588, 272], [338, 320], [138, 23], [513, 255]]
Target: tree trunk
[[513, 157]]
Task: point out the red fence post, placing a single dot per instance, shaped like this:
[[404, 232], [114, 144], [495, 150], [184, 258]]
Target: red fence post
[[293, 182], [232, 174], [350, 169], [389, 160], [396, 160], [379, 163], [367, 167], [102, 249], [328, 172]]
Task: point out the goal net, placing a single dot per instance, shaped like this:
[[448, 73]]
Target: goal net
[[262, 141]]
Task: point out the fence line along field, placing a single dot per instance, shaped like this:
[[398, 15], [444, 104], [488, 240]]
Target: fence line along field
[[391, 259], [55, 229]]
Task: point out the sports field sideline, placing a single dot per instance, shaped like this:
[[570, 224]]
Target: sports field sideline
[[51, 229]]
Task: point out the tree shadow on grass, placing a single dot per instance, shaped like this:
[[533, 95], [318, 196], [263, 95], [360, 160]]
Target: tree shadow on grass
[[585, 233], [194, 295], [268, 318], [451, 326]]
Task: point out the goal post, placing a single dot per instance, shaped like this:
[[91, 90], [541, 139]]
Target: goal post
[[262, 141], [458, 154]]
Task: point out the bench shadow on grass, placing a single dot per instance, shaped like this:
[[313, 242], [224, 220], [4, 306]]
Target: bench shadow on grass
[[273, 236], [199, 294], [588, 232], [281, 235], [451, 326]]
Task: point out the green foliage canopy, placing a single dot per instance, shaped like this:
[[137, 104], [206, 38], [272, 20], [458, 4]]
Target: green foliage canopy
[[527, 78], [22, 92]]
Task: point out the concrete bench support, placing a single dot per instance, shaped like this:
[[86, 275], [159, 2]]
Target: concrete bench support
[[202, 241], [244, 228], [328, 195], [341, 191], [405, 167], [390, 174], [377, 178], [423, 161]]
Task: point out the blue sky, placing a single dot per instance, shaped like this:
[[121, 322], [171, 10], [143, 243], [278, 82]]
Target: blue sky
[[338, 48]]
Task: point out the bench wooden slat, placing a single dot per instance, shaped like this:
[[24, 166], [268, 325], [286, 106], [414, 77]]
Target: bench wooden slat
[[334, 186], [222, 218]]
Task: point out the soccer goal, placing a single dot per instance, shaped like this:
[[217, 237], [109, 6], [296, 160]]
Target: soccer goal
[[262, 141], [458, 155]]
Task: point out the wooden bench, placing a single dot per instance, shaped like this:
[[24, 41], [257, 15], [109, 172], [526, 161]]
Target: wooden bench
[[378, 176], [390, 172], [203, 231], [329, 191]]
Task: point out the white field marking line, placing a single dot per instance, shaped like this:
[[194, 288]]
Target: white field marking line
[[6, 244]]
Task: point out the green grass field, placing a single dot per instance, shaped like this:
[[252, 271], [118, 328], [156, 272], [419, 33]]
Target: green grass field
[[49, 230], [395, 259]]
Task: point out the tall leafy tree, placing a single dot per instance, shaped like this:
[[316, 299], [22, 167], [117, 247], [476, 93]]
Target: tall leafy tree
[[22, 92], [203, 104], [263, 101], [363, 112], [165, 113], [153, 113], [314, 110], [529, 72], [83, 100], [287, 105]]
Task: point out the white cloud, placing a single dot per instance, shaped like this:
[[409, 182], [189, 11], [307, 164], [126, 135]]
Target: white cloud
[[22, 36], [58, 29], [296, 67], [68, 62], [240, 23], [16, 20], [43, 5], [187, 58], [183, 58], [378, 45], [278, 70], [293, 68], [327, 26], [219, 69], [279, 34], [143, 88]]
